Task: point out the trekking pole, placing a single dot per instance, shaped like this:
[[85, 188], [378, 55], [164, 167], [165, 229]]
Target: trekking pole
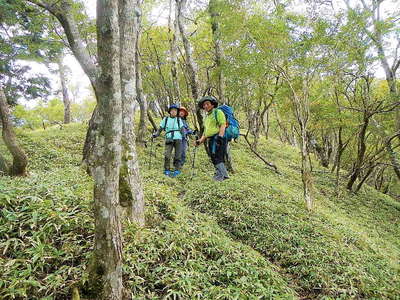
[[151, 150], [194, 158]]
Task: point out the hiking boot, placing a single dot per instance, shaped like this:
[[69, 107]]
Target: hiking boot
[[167, 173], [220, 172], [175, 173]]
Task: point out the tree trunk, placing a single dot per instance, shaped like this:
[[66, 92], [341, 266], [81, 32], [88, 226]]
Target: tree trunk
[[152, 122], [4, 166], [173, 47], [393, 159], [90, 140], [360, 155], [130, 183], [66, 99], [365, 177], [191, 66], [216, 33], [20, 160], [265, 121], [140, 96], [106, 272], [306, 168]]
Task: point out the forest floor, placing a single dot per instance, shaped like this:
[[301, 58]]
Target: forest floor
[[249, 237]]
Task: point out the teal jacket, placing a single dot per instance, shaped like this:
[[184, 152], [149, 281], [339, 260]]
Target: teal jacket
[[173, 128]]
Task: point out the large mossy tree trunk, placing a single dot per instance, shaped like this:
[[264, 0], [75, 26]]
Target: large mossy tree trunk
[[131, 190], [107, 259], [20, 159], [109, 149]]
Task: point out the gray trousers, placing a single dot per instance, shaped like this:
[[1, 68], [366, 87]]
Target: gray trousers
[[169, 146]]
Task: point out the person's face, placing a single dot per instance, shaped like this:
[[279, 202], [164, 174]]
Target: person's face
[[173, 112], [207, 106], [182, 113]]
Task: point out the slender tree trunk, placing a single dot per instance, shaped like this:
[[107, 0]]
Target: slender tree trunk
[[152, 122], [173, 47], [130, 183], [393, 159], [141, 97], [163, 80], [265, 120], [390, 73], [143, 105], [66, 99], [216, 33], [360, 155], [365, 177], [191, 66], [306, 168], [106, 272], [20, 160]]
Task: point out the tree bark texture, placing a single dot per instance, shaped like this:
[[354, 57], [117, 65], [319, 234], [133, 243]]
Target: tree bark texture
[[141, 97], [131, 190], [64, 89], [213, 10], [361, 149], [20, 160], [107, 269], [173, 48], [191, 66]]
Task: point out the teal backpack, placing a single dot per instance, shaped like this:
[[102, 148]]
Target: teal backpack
[[232, 131]]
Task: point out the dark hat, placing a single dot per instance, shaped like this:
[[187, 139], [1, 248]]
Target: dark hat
[[212, 99]]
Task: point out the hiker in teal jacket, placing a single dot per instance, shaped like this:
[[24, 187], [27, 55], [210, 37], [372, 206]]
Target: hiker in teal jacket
[[173, 126]]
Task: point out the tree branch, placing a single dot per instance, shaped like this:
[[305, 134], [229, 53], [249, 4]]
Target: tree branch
[[270, 165]]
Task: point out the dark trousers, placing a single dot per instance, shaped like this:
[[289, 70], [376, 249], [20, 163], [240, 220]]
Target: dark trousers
[[217, 152], [169, 146], [185, 145]]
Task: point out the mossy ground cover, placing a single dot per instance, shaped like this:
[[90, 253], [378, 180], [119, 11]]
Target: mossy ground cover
[[247, 238]]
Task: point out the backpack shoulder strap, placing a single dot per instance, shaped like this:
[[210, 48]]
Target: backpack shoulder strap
[[165, 123], [216, 115]]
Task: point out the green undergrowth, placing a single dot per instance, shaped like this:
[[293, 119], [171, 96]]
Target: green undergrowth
[[348, 247], [247, 238], [46, 235]]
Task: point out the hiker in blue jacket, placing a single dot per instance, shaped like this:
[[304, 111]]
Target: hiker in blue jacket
[[174, 128], [183, 113]]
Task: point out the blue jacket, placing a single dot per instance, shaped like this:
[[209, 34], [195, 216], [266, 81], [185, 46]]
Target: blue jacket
[[186, 130]]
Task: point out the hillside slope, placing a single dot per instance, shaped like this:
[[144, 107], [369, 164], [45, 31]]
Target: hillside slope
[[247, 238]]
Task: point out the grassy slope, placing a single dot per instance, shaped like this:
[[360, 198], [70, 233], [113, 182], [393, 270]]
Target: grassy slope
[[245, 239]]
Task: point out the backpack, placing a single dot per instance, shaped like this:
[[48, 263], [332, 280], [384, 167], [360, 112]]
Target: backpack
[[232, 131]]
